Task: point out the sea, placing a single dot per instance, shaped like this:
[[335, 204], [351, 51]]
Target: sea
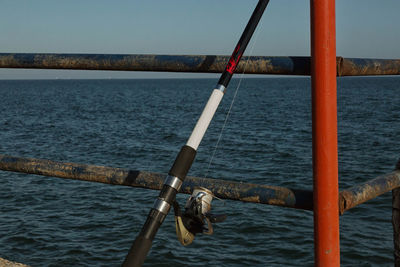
[[140, 124]]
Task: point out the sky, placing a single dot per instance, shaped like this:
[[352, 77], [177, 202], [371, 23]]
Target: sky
[[364, 28]]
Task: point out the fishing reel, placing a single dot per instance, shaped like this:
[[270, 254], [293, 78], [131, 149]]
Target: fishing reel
[[197, 217]]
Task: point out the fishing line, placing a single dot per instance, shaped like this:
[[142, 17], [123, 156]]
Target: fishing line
[[233, 101]]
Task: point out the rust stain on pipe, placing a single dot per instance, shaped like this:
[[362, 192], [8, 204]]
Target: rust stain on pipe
[[361, 193], [366, 67], [194, 63], [246, 192]]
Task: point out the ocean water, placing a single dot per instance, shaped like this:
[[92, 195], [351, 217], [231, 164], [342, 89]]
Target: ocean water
[[141, 125]]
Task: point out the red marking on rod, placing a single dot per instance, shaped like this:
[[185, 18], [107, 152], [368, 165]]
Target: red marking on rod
[[233, 61]]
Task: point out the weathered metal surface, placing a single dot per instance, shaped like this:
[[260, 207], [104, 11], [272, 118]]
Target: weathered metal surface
[[396, 221], [195, 63], [7, 263], [361, 193], [246, 192], [396, 225], [165, 63], [364, 67]]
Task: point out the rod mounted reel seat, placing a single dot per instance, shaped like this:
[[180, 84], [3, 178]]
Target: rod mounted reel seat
[[197, 217]]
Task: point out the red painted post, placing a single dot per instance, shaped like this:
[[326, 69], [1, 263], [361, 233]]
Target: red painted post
[[324, 109]]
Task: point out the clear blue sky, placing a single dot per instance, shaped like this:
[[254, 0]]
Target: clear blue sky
[[365, 28]]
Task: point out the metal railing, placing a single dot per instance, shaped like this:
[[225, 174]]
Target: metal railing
[[246, 192], [195, 63]]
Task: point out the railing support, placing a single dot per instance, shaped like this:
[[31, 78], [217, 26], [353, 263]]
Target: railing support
[[224, 189], [396, 225], [396, 221], [194, 63], [325, 162]]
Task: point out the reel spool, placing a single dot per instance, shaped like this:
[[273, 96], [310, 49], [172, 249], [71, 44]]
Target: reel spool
[[197, 217]]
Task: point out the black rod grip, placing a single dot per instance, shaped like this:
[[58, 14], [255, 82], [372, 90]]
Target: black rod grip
[[138, 252], [183, 162]]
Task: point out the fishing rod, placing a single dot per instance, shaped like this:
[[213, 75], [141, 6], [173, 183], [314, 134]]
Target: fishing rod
[[186, 155]]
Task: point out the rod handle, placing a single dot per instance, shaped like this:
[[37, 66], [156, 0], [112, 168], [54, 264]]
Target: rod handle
[[138, 252]]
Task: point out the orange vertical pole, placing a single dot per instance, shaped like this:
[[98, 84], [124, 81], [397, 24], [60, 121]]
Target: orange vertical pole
[[324, 117]]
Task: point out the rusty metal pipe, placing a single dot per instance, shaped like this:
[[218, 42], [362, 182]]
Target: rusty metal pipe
[[194, 63], [396, 225], [369, 66], [361, 193], [246, 192], [161, 63], [396, 221]]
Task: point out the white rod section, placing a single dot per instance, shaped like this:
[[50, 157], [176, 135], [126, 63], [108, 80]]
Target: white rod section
[[205, 119]]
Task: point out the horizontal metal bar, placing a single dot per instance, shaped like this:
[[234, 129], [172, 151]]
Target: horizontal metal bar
[[365, 67], [163, 63], [265, 194], [361, 193], [194, 63], [246, 192], [396, 225]]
